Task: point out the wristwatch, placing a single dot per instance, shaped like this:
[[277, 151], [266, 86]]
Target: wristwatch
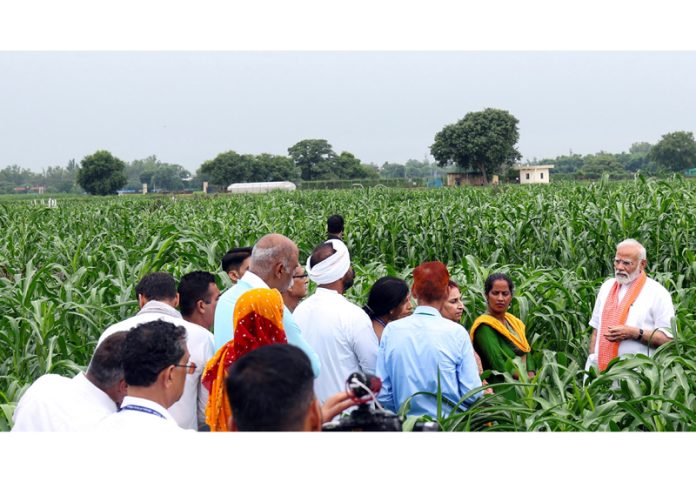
[[640, 335]]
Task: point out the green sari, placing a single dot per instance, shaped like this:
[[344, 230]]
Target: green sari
[[495, 352]]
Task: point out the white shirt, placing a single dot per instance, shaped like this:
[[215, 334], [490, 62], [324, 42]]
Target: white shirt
[[59, 404], [652, 309], [342, 335], [139, 415], [189, 411]]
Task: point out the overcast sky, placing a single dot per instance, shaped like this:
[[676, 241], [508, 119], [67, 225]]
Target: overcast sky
[[186, 107]]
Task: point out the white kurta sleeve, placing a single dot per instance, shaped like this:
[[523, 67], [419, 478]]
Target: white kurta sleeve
[[365, 344], [596, 319], [662, 311]]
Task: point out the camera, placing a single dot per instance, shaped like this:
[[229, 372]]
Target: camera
[[363, 389]]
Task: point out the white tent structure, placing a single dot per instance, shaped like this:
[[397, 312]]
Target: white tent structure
[[260, 187]]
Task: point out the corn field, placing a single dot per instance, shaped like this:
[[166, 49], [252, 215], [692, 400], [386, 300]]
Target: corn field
[[68, 271]]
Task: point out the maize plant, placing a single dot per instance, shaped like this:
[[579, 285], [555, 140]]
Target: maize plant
[[68, 271]]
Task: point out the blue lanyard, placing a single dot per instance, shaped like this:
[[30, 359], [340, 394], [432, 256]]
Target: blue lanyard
[[381, 322], [140, 408]]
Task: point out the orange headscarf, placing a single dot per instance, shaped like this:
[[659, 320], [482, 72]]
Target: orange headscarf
[[258, 321], [615, 314]]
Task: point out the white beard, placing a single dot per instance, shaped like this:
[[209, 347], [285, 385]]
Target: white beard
[[624, 278]]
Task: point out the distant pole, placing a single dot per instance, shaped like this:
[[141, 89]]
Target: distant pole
[[144, 188], [205, 187]]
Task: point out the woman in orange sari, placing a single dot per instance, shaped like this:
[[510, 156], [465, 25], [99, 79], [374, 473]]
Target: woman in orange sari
[[258, 321]]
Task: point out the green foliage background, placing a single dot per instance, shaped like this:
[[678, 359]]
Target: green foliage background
[[68, 272]]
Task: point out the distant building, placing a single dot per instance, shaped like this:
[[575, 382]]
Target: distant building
[[259, 187], [456, 176], [690, 172], [29, 189], [534, 174]]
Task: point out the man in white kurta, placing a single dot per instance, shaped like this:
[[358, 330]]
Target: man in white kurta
[[59, 404], [157, 298], [54, 403], [339, 331], [648, 323]]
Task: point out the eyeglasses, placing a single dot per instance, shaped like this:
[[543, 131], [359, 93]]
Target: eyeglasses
[[190, 368], [301, 276], [622, 262]]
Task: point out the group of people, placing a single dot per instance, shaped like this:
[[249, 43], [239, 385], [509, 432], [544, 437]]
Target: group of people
[[279, 360]]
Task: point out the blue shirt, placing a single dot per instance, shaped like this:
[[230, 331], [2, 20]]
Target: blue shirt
[[410, 352], [224, 316]]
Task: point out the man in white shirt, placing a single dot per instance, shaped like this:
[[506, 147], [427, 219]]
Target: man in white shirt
[[156, 364], [236, 262], [339, 331], [632, 313], [157, 297], [198, 297], [59, 404]]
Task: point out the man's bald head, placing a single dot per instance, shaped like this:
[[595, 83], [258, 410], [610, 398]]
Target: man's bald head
[[274, 259]]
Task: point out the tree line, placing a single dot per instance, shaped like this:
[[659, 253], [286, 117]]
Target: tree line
[[482, 142], [308, 160], [675, 152]]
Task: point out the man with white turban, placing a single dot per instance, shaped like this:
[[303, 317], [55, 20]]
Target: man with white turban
[[339, 331]]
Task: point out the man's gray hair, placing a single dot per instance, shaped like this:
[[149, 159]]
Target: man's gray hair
[[263, 259], [632, 242]]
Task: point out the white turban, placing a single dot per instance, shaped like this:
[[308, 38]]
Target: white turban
[[332, 268]]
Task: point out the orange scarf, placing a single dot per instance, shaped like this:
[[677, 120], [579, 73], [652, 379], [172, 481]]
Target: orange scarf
[[258, 321], [615, 314]]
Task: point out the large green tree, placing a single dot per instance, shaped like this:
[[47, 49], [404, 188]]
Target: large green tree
[[636, 159], [347, 166], [169, 177], [594, 166], [484, 141], [676, 151], [570, 164], [227, 168], [314, 157], [269, 168], [102, 173], [140, 171], [156, 174]]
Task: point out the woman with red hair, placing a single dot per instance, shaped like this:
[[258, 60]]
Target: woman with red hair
[[423, 353]]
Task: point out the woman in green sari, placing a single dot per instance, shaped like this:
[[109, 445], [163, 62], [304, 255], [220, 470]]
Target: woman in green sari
[[497, 335]]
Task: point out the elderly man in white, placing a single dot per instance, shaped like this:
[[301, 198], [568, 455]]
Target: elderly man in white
[[632, 313], [338, 330]]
